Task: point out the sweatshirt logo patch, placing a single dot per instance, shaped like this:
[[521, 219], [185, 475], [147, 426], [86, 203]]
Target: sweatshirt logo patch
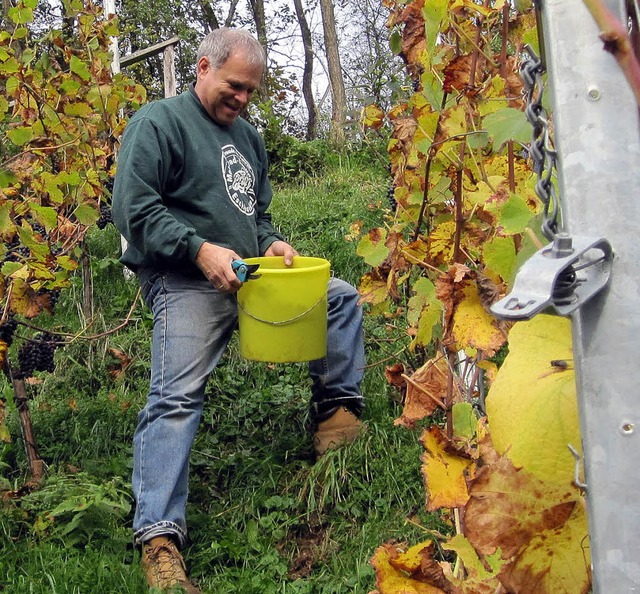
[[239, 179]]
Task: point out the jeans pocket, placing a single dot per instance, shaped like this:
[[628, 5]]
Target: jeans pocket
[[147, 289]]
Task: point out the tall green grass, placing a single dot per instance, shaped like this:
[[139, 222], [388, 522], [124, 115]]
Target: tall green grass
[[264, 516]]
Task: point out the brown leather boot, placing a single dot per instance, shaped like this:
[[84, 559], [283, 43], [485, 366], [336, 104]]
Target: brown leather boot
[[340, 428], [164, 567]]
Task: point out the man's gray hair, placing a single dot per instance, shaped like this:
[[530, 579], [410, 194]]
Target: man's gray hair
[[218, 45]]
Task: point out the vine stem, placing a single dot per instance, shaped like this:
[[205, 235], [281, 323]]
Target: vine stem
[[417, 386], [79, 335], [616, 42]]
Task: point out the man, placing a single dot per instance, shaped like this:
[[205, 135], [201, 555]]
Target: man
[[190, 196]]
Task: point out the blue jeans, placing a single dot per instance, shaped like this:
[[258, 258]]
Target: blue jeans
[[192, 325]]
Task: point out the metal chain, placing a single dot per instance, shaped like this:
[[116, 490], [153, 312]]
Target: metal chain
[[542, 152]]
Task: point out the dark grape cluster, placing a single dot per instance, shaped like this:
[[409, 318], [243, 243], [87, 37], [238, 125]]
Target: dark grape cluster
[[16, 252], [393, 204], [7, 329], [105, 216], [53, 295], [36, 355]]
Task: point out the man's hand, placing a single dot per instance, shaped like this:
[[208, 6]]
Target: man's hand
[[282, 248], [215, 263]]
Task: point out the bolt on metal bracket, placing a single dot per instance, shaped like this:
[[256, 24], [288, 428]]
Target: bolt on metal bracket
[[564, 275]]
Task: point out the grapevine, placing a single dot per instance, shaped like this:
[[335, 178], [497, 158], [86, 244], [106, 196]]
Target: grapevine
[[60, 112], [465, 217]]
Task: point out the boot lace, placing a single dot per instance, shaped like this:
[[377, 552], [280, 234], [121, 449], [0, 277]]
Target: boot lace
[[167, 564]]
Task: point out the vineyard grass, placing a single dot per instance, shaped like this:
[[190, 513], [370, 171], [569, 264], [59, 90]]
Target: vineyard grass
[[264, 516]]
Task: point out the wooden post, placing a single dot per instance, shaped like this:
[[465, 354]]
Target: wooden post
[[168, 56], [21, 399]]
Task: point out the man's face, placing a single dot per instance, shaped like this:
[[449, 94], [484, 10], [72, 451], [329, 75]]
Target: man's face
[[225, 91]]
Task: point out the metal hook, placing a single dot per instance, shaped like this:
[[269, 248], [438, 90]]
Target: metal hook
[[576, 474]]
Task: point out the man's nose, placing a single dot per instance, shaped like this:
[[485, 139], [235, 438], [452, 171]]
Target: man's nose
[[243, 96]]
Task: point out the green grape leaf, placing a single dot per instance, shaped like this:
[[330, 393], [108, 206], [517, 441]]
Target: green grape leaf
[[86, 214], [464, 420], [45, 215], [10, 268], [28, 239], [500, 257], [10, 66], [395, 42], [80, 68], [515, 214], [20, 15], [507, 124], [80, 109], [434, 13], [20, 136], [372, 247], [424, 311], [6, 178], [70, 86]]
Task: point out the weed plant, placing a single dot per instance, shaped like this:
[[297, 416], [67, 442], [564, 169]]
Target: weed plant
[[264, 516]]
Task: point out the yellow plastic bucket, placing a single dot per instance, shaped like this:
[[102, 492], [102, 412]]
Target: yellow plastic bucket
[[282, 315]]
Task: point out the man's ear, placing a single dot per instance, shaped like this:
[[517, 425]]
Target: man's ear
[[203, 66]]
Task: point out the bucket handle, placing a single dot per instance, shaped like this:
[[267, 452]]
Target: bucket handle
[[290, 320]]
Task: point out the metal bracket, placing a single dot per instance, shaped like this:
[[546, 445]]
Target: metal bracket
[[564, 274]]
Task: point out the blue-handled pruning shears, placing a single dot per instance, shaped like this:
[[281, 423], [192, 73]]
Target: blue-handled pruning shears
[[245, 271]]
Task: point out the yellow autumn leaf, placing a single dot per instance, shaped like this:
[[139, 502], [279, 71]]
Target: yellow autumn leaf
[[372, 117], [454, 122], [532, 406], [443, 472], [4, 348], [411, 559], [373, 289], [484, 191], [474, 327], [441, 240], [394, 570]]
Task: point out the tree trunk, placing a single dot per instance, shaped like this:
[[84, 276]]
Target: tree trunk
[[209, 18], [257, 10], [307, 90], [336, 80]]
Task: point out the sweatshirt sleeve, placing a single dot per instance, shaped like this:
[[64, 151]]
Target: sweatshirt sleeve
[[139, 213]]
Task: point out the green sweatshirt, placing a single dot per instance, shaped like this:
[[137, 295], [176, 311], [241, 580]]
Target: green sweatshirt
[[182, 179]]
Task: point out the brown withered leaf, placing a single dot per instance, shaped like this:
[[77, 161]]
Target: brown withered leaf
[[413, 35], [514, 84], [393, 374], [403, 130], [488, 291], [25, 301], [509, 506], [450, 291], [116, 370], [457, 74], [556, 561], [426, 390]]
